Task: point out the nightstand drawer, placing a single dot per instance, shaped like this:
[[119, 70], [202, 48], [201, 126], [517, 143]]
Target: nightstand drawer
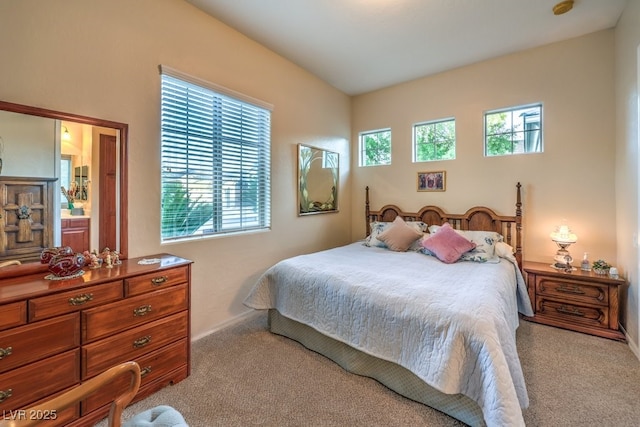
[[572, 313], [572, 290]]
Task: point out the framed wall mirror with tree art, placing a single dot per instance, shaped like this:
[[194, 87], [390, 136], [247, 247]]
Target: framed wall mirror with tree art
[[317, 180]]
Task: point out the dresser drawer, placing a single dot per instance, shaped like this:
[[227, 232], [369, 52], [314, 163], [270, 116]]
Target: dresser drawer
[[70, 301], [47, 418], [573, 313], [13, 315], [29, 343], [573, 290], [24, 385], [160, 279], [153, 366], [118, 316], [101, 355]]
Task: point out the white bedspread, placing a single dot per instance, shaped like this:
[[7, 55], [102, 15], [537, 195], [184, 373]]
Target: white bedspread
[[453, 325]]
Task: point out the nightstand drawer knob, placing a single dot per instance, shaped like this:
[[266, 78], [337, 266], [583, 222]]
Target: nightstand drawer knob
[[575, 289], [571, 311]]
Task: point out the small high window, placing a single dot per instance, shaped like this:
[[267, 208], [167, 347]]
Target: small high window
[[515, 130], [434, 140], [375, 148]]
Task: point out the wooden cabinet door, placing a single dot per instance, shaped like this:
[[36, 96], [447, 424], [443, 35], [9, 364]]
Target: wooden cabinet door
[[26, 210]]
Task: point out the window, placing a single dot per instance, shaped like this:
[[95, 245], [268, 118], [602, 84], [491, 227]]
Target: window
[[434, 140], [215, 160], [375, 148], [513, 130]]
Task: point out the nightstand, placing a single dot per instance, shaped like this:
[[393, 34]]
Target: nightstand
[[580, 300]]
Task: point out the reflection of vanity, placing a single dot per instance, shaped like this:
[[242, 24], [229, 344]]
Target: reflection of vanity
[[89, 151], [75, 232]]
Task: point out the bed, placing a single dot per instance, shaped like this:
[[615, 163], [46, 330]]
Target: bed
[[440, 333]]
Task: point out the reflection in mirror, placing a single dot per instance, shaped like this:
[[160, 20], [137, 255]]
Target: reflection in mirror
[[317, 180], [86, 156]]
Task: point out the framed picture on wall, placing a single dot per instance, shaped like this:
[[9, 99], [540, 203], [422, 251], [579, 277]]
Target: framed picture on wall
[[431, 181]]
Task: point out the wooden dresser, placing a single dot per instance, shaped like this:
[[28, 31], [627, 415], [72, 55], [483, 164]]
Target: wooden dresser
[[54, 334], [582, 301]]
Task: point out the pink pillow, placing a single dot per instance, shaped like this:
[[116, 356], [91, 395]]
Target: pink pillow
[[447, 245], [399, 236]]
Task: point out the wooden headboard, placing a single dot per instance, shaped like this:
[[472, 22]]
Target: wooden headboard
[[476, 218]]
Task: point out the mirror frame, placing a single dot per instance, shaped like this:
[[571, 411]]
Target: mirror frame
[[123, 128], [303, 180]]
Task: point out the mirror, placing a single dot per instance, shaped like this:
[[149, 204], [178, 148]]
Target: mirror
[[94, 167], [317, 180]]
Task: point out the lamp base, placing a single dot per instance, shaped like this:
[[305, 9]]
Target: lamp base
[[564, 267]]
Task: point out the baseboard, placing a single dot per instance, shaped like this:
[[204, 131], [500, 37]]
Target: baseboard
[[632, 345], [247, 315]]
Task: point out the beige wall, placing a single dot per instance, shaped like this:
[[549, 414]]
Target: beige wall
[[627, 52], [574, 177], [100, 59]]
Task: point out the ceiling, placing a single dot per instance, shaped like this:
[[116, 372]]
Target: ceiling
[[362, 45]]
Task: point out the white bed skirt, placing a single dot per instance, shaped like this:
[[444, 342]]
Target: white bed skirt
[[394, 376]]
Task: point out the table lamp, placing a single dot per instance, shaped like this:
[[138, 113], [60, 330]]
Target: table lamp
[[564, 237]]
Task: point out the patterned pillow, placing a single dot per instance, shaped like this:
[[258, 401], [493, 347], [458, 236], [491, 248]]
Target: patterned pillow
[[400, 236], [485, 242], [447, 245], [378, 227]]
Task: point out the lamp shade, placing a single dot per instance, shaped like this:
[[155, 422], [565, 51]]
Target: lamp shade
[[563, 234]]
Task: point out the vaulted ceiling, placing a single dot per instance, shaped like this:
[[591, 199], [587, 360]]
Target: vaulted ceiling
[[363, 45]]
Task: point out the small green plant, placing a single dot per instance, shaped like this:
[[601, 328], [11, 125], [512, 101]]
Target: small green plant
[[601, 265]]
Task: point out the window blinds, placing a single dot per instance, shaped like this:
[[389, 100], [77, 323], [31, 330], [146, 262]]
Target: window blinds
[[215, 161]]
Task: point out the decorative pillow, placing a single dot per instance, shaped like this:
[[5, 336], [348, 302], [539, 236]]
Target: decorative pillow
[[447, 245], [399, 236], [378, 227], [504, 250], [485, 244]]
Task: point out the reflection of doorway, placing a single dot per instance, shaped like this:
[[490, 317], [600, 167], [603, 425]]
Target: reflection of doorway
[[107, 171]]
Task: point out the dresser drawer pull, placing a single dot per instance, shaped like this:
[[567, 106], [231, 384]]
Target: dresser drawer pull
[[4, 352], [81, 299], [142, 310], [157, 281], [4, 395], [575, 289], [145, 371], [573, 312], [141, 342]]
